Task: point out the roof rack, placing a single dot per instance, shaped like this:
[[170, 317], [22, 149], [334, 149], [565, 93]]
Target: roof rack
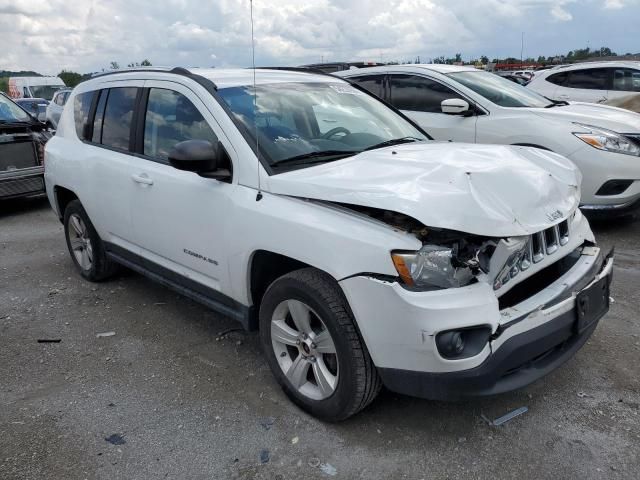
[[205, 82]]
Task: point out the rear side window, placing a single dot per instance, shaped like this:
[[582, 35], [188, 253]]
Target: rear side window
[[558, 78], [118, 115], [81, 107], [420, 94], [589, 79], [99, 116], [171, 118], [371, 83], [626, 80]]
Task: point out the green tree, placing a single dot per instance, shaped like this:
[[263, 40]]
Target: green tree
[[484, 59], [115, 66], [145, 63], [70, 79]]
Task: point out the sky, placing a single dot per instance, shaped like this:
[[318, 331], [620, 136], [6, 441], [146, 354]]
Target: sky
[[50, 35]]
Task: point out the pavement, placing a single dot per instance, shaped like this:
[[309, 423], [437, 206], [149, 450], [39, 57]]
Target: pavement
[[174, 391]]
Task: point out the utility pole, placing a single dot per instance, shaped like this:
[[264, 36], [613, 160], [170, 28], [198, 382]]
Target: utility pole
[[521, 48]]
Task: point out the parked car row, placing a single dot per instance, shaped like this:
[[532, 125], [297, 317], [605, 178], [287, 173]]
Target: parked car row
[[463, 104], [364, 253]]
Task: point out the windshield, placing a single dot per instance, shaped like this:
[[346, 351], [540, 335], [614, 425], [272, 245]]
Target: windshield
[[10, 112], [303, 121], [44, 91], [500, 90]]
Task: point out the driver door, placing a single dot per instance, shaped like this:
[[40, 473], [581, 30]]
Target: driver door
[[420, 99]]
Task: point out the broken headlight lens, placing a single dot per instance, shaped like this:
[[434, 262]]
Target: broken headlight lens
[[430, 267]]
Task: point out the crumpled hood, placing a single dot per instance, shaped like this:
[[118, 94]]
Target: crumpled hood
[[489, 190], [596, 115]]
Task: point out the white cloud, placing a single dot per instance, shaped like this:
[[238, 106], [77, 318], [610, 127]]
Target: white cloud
[[560, 14], [48, 35]]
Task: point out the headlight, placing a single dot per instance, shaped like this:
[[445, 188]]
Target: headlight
[[430, 267], [604, 139]]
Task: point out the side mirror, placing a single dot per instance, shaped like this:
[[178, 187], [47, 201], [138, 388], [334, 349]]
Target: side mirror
[[202, 157], [455, 106], [194, 156]]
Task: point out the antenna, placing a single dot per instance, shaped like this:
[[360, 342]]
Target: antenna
[[255, 99]]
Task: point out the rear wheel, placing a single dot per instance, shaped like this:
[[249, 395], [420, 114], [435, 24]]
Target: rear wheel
[[313, 347], [85, 246]]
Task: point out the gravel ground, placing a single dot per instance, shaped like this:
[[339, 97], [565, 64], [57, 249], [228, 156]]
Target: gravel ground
[[178, 399]]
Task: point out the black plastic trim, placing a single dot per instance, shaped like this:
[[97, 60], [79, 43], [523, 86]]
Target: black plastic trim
[[521, 360], [185, 286]]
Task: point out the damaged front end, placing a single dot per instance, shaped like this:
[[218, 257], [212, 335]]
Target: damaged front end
[[453, 259]]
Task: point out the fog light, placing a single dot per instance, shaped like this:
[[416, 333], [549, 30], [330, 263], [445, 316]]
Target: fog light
[[463, 343], [450, 344]]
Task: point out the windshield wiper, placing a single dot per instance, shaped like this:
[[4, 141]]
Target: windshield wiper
[[393, 141], [319, 156], [16, 123]]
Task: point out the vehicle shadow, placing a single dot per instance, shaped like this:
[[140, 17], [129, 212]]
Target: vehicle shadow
[[22, 205]]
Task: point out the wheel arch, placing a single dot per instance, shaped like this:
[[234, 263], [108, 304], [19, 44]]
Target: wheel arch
[[265, 266], [63, 197]]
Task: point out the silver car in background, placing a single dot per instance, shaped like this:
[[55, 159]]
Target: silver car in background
[[56, 105]]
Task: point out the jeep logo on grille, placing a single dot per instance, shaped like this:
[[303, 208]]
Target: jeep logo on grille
[[554, 215]]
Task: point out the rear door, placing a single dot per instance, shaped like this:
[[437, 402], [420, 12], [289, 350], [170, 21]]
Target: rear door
[[420, 98], [180, 219], [109, 161]]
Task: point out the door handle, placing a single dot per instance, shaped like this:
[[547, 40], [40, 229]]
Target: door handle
[[142, 178]]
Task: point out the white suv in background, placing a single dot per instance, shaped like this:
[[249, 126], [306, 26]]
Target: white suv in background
[[304, 207], [463, 104], [594, 82]]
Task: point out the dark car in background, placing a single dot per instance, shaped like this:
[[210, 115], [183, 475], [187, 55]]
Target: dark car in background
[[22, 140], [35, 106]]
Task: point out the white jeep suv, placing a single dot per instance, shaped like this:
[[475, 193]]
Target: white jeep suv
[[306, 208]]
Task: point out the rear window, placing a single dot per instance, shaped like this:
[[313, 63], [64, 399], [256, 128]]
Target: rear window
[[81, 107], [558, 78], [118, 114]]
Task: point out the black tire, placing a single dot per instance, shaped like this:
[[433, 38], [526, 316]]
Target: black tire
[[358, 382], [101, 267]]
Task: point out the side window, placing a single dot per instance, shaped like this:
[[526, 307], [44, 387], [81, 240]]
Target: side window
[[81, 107], [171, 118], [558, 78], [626, 79], [99, 117], [25, 92], [118, 113], [589, 79], [420, 94], [372, 83]]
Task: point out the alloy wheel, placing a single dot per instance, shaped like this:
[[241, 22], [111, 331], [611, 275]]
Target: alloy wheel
[[304, 349]]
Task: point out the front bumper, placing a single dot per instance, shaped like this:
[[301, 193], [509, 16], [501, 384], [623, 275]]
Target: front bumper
[[22, 182], [529, 340], [606, 211]]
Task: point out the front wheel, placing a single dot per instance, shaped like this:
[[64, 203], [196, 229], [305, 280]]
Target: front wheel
[[313, 347]]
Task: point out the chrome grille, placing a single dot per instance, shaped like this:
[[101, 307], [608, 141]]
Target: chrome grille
[[548, 241], [539, 246]]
